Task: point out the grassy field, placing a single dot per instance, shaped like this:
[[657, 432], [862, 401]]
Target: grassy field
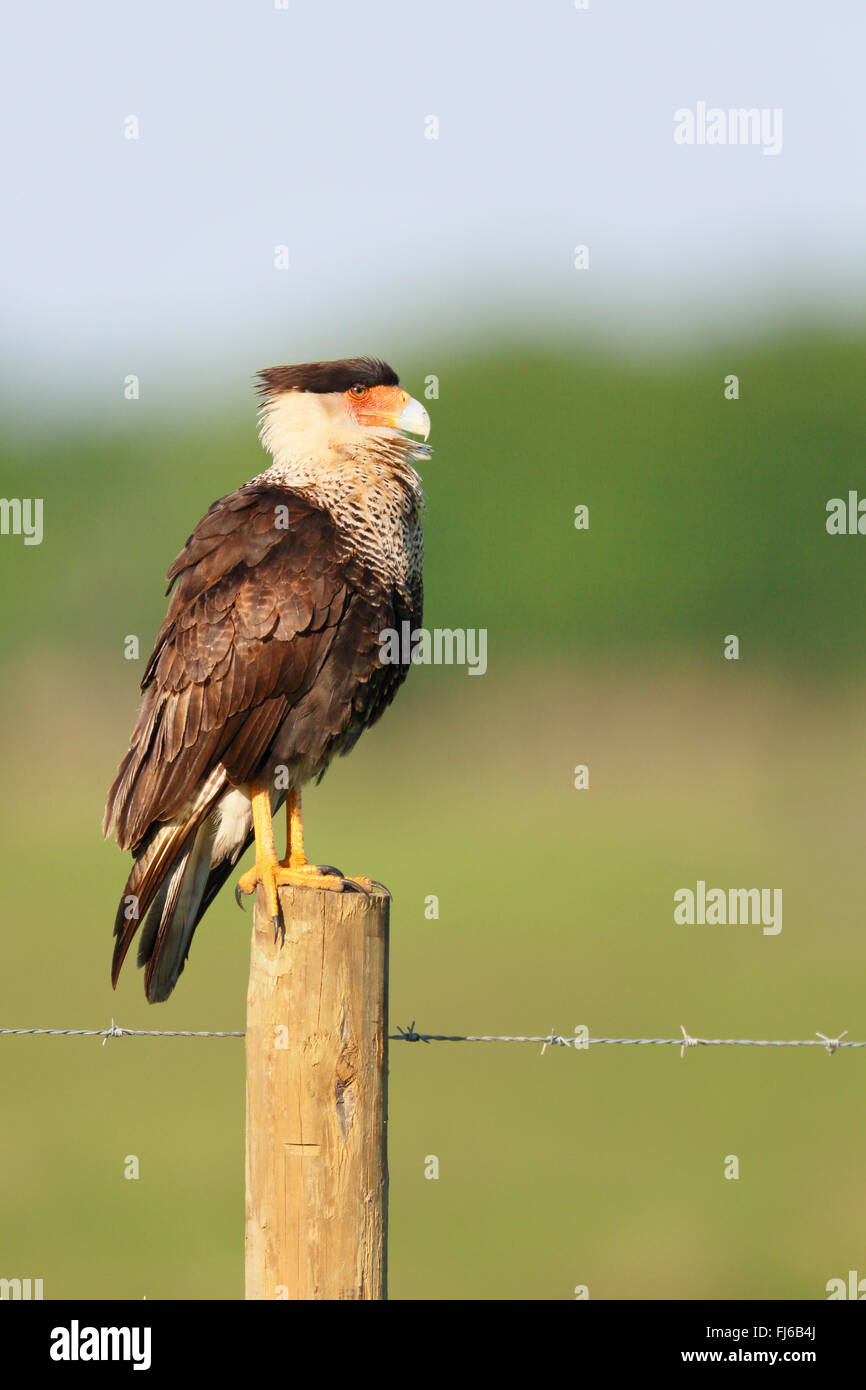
[[556, 909], [603, 1168]]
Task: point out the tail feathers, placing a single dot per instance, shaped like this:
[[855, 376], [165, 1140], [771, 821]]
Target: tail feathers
[[218, 875], [172, 884], [172, 919], [154, 887]]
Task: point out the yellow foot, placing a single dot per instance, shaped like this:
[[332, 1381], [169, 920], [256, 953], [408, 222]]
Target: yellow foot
[[357, 883], [275, 875], [368, 885]]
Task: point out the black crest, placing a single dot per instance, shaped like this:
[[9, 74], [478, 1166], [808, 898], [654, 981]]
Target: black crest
[[323, 377]]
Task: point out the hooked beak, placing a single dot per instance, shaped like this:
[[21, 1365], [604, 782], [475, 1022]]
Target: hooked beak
[[413, 418]]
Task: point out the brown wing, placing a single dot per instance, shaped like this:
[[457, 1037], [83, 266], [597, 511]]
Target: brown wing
[[263, 605]]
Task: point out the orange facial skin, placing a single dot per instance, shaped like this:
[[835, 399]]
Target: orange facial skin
[[377, 406]]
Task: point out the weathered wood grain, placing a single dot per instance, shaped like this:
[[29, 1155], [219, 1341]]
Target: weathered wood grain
[[316, 1106]]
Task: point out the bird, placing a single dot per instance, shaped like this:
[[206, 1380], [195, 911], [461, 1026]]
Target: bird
[[269, 662]]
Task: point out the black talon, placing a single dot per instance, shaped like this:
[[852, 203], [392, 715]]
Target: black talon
[[238, 897], [351, 885], [329, 869]]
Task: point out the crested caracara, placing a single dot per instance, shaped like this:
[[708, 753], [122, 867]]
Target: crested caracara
[[268, 661]]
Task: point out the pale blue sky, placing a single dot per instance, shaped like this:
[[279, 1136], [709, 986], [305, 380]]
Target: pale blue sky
[[305, 126]]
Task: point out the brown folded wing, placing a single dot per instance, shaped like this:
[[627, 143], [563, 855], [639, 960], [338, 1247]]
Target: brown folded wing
[[271, 618]]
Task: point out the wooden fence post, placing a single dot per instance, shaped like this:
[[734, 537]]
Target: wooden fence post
[[316, 1108]]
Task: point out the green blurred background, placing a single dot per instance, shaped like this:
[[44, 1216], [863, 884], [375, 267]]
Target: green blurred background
[[605, 648]]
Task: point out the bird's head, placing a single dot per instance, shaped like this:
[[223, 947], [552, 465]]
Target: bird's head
[[318, 408]]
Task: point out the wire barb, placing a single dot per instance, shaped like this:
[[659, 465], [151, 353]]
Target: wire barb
[[555, 1041], [409, 1034], [112, 1032], [690, 1042]]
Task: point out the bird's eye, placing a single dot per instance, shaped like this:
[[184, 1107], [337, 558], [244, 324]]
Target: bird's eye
[[358, 389]]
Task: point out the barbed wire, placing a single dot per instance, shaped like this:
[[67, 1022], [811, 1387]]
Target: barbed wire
[[579, 1042], [115, 1031]]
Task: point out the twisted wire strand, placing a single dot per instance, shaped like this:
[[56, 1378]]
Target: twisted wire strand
[[410, 1034]]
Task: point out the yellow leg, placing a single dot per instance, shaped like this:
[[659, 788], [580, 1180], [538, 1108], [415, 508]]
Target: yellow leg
[[294, 869], [295, 861], [295, 856]]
